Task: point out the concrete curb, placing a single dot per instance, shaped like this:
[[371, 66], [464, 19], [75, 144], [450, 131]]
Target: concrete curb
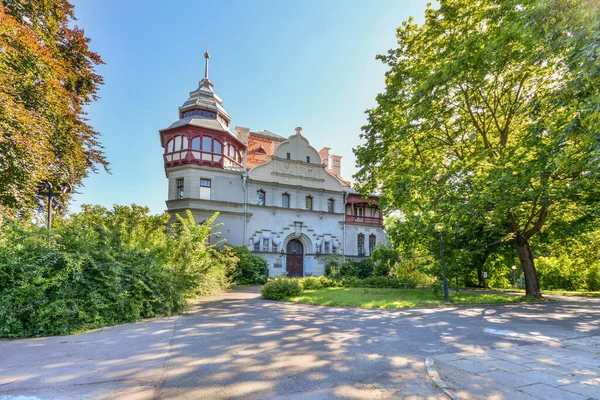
[[435, 377]]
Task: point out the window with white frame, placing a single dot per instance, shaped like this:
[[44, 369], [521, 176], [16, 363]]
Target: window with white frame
[[205, 187], [326, 248], [257, 245], [265, 244]]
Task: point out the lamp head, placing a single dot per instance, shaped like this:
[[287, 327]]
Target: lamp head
[[438, 227]]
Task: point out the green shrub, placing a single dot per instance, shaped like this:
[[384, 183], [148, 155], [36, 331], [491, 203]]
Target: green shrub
[[593, 278], [333, 265], [280, 288], [327, 282], [311, 283], [384, 258], [251, 269], [562, 272], [104, 267], [411, 277]]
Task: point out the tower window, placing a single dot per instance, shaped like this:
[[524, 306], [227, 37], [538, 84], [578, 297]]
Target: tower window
[[285, 200], [288, 156], [330, 205], [196, 144], [309, 202], [260, 198], [206, 144], [180, 188], [205, 185], [218, 147]]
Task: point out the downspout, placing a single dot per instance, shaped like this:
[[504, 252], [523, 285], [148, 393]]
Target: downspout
[[245, 187], [344, 234]]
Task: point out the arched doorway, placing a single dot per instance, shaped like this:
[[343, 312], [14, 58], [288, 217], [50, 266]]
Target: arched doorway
[[294, 261]]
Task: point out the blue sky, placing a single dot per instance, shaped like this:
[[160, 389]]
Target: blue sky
[[276, 65]]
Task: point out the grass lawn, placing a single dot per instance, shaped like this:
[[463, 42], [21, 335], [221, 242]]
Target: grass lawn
[[396, 298]]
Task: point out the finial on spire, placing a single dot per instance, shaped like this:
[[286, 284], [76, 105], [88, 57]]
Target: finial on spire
[[206, 57]]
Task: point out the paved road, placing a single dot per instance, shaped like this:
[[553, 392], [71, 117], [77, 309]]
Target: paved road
[[238, 345]]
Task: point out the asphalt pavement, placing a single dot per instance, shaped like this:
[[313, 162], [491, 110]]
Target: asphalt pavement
[[238, 345]]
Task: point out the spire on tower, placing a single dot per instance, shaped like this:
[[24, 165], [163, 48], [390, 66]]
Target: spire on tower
[[206, 57]]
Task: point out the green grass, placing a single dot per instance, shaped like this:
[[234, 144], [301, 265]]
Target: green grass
[[396, 298], [581, 293]]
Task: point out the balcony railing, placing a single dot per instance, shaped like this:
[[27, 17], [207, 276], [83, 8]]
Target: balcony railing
[[364, 220], [199, 157]]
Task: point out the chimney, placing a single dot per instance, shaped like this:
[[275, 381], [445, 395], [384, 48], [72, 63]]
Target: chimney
[[242, 134], [324, 153], [336, 165]]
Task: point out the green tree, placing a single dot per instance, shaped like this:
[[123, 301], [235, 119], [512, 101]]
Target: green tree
[[46, 79], [490, 114]]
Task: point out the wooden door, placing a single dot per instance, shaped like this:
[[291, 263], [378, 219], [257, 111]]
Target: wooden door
[[294, 262]]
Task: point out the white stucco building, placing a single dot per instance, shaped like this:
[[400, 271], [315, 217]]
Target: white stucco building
[[279, 196]]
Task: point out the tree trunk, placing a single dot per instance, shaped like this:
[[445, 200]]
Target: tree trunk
[[532, 284]]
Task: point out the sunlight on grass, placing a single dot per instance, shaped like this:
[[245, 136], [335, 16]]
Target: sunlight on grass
[[396, 298]]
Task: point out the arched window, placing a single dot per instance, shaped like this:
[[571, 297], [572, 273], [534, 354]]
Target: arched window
[[169, 147], [309, 202], [196, 143], [206, 144], [372, 242], [177, 145], [285, 200], [218, 147], [361, 244], [260, 198], [330, 205]]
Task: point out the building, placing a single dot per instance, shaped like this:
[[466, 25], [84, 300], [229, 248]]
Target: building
[[279, 196]]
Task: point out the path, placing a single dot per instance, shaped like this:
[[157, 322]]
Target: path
[[237, 345]]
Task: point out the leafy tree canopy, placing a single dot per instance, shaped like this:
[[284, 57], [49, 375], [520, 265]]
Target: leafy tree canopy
[[490, 119], [47, 77]]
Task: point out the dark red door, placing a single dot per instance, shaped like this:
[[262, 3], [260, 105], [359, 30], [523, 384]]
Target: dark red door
[[294, 262]]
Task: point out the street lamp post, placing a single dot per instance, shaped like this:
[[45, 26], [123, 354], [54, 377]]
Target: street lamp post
[[45, 189], [514, 268], [438, 228]]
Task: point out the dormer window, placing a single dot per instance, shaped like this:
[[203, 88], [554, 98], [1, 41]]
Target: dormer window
[[308, 159], [288, 156]]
